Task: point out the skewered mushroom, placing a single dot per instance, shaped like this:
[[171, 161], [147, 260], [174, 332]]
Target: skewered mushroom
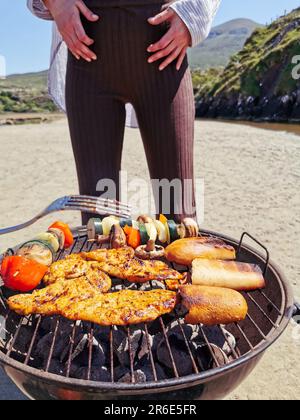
[[150, 251], [144, 219], [191, 228], [117, 237]]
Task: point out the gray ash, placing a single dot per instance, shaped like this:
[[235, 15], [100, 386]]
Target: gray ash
[[139, 348]]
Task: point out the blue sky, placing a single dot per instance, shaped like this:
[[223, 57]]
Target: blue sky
[[25, 40]]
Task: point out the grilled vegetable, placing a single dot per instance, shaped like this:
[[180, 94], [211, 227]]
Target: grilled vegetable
[[144, 235], [144, 253], [133, 237], [161, 231], [144, 219], [94, 228], [164, 221], [181, 231], [117, 237], [135, 224], [21, 274], [38, 251], [151, 231], [191, 228], [173, 230], [125, 222], [60, 236], [108, 223], [50, 239], [69, 239]]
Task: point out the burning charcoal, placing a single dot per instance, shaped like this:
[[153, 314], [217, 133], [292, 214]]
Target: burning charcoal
[[56, 367], [49, 324], [129, 285], [120, 372], [215, 336], [155, 327], [45, 343], [191, 331], [98, 374], [156, 341], [148, 371], [66, 352], [160, 372], [180, 353], [118, 288], [155, 284], [139, 348], [139, 377], [206, 360], [102, 334], [119, 335], [81, 353], [23, 340]]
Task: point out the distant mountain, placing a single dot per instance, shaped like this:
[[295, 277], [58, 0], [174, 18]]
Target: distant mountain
[[34, 81], [257, 83], [25, 93], [224, 41]]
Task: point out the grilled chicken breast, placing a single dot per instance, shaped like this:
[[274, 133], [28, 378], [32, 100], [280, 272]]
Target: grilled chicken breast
[[53, 300], [110, 256], [70, 268], [73, 301], [122, 264]]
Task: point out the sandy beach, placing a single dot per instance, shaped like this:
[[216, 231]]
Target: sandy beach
[[252, 182]]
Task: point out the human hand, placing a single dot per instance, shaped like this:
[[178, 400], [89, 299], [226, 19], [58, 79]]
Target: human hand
[[66, 14], [174, 44]]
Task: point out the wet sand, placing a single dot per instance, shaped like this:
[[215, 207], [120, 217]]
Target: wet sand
[[252, 179]]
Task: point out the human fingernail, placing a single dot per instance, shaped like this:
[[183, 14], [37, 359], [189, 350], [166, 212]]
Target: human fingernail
[[150, 48], [150, 60]]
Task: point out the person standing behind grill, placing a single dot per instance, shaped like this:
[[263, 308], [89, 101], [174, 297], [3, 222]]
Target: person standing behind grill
[[108, 54]]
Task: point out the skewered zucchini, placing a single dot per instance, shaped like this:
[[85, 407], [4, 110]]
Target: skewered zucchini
[[38, 251], [50, 239]]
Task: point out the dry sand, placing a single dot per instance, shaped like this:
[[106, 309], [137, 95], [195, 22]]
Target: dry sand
[[252, 179]]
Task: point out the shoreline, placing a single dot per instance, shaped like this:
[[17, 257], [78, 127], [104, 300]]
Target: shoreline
[[8, 118], [285, 127]]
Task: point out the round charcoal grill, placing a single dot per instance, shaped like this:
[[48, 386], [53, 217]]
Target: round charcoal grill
[[40, 354]]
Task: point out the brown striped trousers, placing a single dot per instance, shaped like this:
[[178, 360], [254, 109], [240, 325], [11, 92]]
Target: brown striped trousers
[[96, 94]]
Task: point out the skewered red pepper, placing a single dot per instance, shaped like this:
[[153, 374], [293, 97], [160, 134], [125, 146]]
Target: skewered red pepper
[[21, 274], [133, 237], [69, 239]]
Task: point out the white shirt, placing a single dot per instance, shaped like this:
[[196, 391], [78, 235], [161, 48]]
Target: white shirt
[[198, 16]]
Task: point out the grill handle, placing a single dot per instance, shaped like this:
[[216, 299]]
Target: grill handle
[[258, 243], [296, 313]]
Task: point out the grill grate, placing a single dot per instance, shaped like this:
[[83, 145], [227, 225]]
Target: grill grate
[[263, 317]]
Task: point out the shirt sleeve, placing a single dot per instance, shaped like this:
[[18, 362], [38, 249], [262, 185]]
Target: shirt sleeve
[[198, 16], [38, 8]]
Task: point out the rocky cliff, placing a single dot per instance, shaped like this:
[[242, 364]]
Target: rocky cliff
[[258, 82]]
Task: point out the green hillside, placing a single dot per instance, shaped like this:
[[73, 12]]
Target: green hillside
[[259, 76], [224, 41], [25, 93]]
